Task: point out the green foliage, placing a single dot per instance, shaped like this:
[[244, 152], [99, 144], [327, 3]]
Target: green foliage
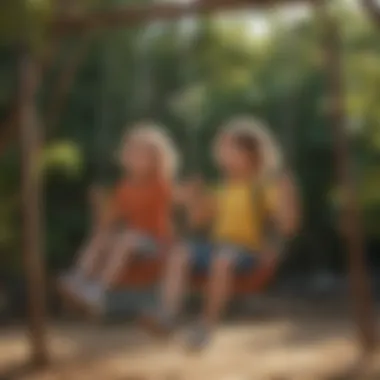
[[192, 84], [63, 158], [24, 21]]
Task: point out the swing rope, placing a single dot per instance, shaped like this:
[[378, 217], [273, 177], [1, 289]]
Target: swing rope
[[289, 95], [102, 135], [275, 241], [144, 72], [188, 102], [101, 138], [103, 141]]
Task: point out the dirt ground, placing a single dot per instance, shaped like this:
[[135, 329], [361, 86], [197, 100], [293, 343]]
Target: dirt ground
[[291, 344]]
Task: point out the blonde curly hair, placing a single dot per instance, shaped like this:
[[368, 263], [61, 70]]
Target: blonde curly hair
[[269, 149], [154, 135]]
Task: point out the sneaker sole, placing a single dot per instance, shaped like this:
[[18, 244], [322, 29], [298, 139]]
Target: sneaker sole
[[77, 304]]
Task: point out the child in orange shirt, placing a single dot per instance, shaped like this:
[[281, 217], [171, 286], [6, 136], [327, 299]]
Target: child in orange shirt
[[141, 203]]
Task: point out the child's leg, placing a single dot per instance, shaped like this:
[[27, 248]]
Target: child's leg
[[77, 281], [99, 238], [219, 286], [91, 252], [118, 257], [217, 295], [174, 282], [116, 260], [225, 262]]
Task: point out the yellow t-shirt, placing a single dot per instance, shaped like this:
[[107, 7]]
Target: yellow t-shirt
[[239, 216]]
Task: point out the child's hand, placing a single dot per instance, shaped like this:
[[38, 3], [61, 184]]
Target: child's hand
[[269, 257], [102, 210], [189, 190], [180, 194], [288, 210], [97, 196]]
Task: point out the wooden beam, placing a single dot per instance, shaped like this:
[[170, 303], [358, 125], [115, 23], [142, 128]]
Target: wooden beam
[[350, 217], [30, 139], [373, 9], [134, 15]]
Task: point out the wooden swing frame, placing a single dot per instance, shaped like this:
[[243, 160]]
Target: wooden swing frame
[[31, 142]]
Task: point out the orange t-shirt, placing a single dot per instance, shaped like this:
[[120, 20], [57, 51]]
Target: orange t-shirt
[[146, 207]]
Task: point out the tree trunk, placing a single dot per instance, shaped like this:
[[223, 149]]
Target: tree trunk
[[358, 276], [30, 139]]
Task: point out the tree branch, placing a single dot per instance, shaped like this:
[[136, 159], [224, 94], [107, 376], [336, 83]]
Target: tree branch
[[133, 15], [372, 9], [8, 127]]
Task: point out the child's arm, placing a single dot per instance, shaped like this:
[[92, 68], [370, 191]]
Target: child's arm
[[197, 202], [201, 211], [160, 210], [281, 203], [288, 206], [180, 194], [210, 206], [185, 192], [98, 201], [282, 214], [107, 210]]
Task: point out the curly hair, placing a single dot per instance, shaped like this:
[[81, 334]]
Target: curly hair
[[254, 136], [155, 136]]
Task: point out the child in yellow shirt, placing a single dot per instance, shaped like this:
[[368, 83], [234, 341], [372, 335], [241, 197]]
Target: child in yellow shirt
[[248, 197]]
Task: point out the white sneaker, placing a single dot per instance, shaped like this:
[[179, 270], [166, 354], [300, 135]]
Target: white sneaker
[[70, 280], [94, 294]]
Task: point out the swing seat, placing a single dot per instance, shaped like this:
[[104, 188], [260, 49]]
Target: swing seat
[[141, 273], [252, 282], [136, 289], [146, 272]]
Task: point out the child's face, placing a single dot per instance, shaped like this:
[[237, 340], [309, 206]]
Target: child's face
[[139, 158], [232, 159]]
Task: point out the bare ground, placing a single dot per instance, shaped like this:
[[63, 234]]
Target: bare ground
[[287, 343]]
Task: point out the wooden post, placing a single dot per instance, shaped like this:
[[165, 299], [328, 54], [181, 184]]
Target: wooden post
[[30, 140], [373, 9], [350, 217]]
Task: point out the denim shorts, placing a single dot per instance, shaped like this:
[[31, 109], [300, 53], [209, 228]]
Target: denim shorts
[[202, 254]]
